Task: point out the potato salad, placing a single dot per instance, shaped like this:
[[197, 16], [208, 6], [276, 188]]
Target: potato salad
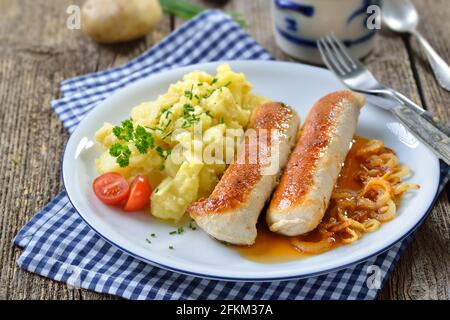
[[145, 144]]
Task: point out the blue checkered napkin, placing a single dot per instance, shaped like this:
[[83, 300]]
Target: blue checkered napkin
[[58, 244]]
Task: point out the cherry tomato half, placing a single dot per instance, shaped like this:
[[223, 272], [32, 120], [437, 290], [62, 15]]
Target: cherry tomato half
[[111, 188], [139, 195]]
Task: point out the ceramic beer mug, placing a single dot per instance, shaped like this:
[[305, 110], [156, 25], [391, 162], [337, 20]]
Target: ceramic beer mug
[[300, 23]]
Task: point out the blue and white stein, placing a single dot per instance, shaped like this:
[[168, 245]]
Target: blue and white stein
[[300, 23]]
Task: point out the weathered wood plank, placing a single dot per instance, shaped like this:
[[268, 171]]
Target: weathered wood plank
[[37, 52]]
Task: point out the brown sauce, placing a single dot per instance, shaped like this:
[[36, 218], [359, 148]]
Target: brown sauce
[[270, 247]]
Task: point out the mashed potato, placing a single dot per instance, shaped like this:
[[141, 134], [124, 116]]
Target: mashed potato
[[198, 102]]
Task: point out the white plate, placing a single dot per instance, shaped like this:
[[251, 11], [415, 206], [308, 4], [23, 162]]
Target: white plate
[[197, 254]]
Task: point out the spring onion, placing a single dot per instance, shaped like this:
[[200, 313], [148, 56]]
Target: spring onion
[[186, 10]]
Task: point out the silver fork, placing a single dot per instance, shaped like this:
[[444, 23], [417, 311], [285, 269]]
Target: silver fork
[[359, 79]]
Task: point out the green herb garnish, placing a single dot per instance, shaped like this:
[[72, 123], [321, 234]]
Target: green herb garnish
[[166, 135], [188, 94], [187, 109], [209, 93], [143, 140], [122, 154], [140, 137], [167, 124], [155, 129], [171, 248], [167, 113], [186, 10], [189, 116], [180, 230], [163, 153], [125, 132]]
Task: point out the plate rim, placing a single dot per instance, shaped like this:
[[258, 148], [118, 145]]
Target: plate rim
[[212, 276]]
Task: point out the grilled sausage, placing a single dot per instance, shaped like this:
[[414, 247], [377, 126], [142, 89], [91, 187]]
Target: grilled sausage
[[231, 212], [302, 196]]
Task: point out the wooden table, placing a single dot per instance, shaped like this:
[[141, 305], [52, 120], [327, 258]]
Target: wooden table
[[37, 52]]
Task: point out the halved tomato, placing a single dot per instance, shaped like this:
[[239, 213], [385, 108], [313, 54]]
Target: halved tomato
[[111, 188], [139, 195]]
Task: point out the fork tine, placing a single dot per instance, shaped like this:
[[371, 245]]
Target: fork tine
[[335, 57], [354, 63], [329, 58], [324, 56], [337, 53]]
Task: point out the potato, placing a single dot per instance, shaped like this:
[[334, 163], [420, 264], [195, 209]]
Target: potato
[[110, 21]]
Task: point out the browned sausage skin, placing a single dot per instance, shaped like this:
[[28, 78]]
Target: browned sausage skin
[[231, 212], [301, 198]]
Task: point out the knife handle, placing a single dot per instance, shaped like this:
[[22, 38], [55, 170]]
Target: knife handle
[[426, 114], [422, 129], [436, 122]]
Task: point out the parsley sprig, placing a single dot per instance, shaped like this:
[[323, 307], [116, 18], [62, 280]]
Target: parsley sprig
[[139, 136], [122, 154]]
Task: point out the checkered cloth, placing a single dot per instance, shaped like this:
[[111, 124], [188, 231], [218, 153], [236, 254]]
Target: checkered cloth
[[59, 245]]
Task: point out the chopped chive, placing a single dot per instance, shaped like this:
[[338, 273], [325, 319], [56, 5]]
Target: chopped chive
[[166, 135], [153, 235], [180, 230], [171, 247], [214, 81], [155, 129], [148, 241], [163, 153], [168, 123], [188, 93], [210, 92]]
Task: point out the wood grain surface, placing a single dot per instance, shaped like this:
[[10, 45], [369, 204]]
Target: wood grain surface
[[37, 52]]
